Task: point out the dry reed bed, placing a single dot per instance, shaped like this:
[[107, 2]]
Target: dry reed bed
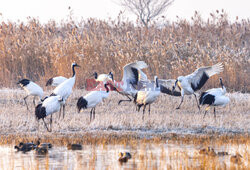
[[38, 51], [122, 122]]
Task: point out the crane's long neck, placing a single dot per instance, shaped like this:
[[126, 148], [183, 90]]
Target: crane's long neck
[[73, 69], [223, 87], [156, 82], [106, 87]]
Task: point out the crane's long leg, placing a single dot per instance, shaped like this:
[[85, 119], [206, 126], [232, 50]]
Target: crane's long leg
[[197, 101], [51, 122], [182, 97], [214, 113], [206, 111], [143, 112], [34, 102], [129, 100], [63, 111], [94, 114], [46, 125], [149, 109], [60, 112], [91, 114], [26, 102]]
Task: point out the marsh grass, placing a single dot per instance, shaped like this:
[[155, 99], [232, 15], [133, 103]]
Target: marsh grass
[[40, 51], [122, 123]]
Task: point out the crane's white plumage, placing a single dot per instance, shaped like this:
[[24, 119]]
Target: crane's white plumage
[[49, 106], [55, 81], [104, 78], [65, 88], [32, 89], [132, 78], [92, 99], [214, 97], [195, 81], [147, 96]]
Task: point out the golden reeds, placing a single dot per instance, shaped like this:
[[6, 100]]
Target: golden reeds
[[38, 51]]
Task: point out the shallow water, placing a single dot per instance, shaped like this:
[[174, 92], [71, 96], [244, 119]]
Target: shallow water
[[144, 156]]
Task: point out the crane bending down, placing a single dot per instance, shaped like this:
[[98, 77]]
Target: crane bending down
[[49, 106], [195, 81], [92, 99], [65, 88], [214, 97], [32, 89]]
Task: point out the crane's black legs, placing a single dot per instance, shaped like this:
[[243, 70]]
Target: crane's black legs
[[26, 102], [49, 130], [182, 97], [143, 112], [197, 101], [94, 113], [129, 100], [34, 102], [149, 109], [205, 114], [214, 113], [63, 111], [91, 112]]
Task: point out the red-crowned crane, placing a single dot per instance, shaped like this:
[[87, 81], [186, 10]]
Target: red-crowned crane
[[32, 89], [49, 106], [214, 97], [92, 99], [146, 96], [65, 88], [193, 82]]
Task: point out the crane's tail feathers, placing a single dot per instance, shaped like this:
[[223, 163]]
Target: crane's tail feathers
[[206, 98], [40, 112], [82, 104], [49, 82]]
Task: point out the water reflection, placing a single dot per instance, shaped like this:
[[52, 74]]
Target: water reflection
[[144, 156]]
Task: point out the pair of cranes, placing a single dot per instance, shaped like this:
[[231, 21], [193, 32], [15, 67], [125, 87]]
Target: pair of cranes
[[135, 85]]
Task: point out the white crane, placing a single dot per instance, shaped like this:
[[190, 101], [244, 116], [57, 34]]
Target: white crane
[[65, 88], [103, 77], [133, 78], [32, 89], [49, 106], [214, 97], [147, 96], [55, 81], [193, 82], [92, 99]]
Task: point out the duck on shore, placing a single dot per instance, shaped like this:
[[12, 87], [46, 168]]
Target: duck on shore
[[124, 157], [74, 146]]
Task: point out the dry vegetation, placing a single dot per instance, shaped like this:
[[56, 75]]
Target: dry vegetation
[[38, 51], [115, 119]]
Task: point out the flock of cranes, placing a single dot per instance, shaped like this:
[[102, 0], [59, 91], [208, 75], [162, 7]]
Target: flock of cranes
[[134, 85]]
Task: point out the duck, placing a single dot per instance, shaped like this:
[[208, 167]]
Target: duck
[[237, 158], [74, 147], [44, 145], [207, 151], [42, 150], [124, 157], [25, 147]]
